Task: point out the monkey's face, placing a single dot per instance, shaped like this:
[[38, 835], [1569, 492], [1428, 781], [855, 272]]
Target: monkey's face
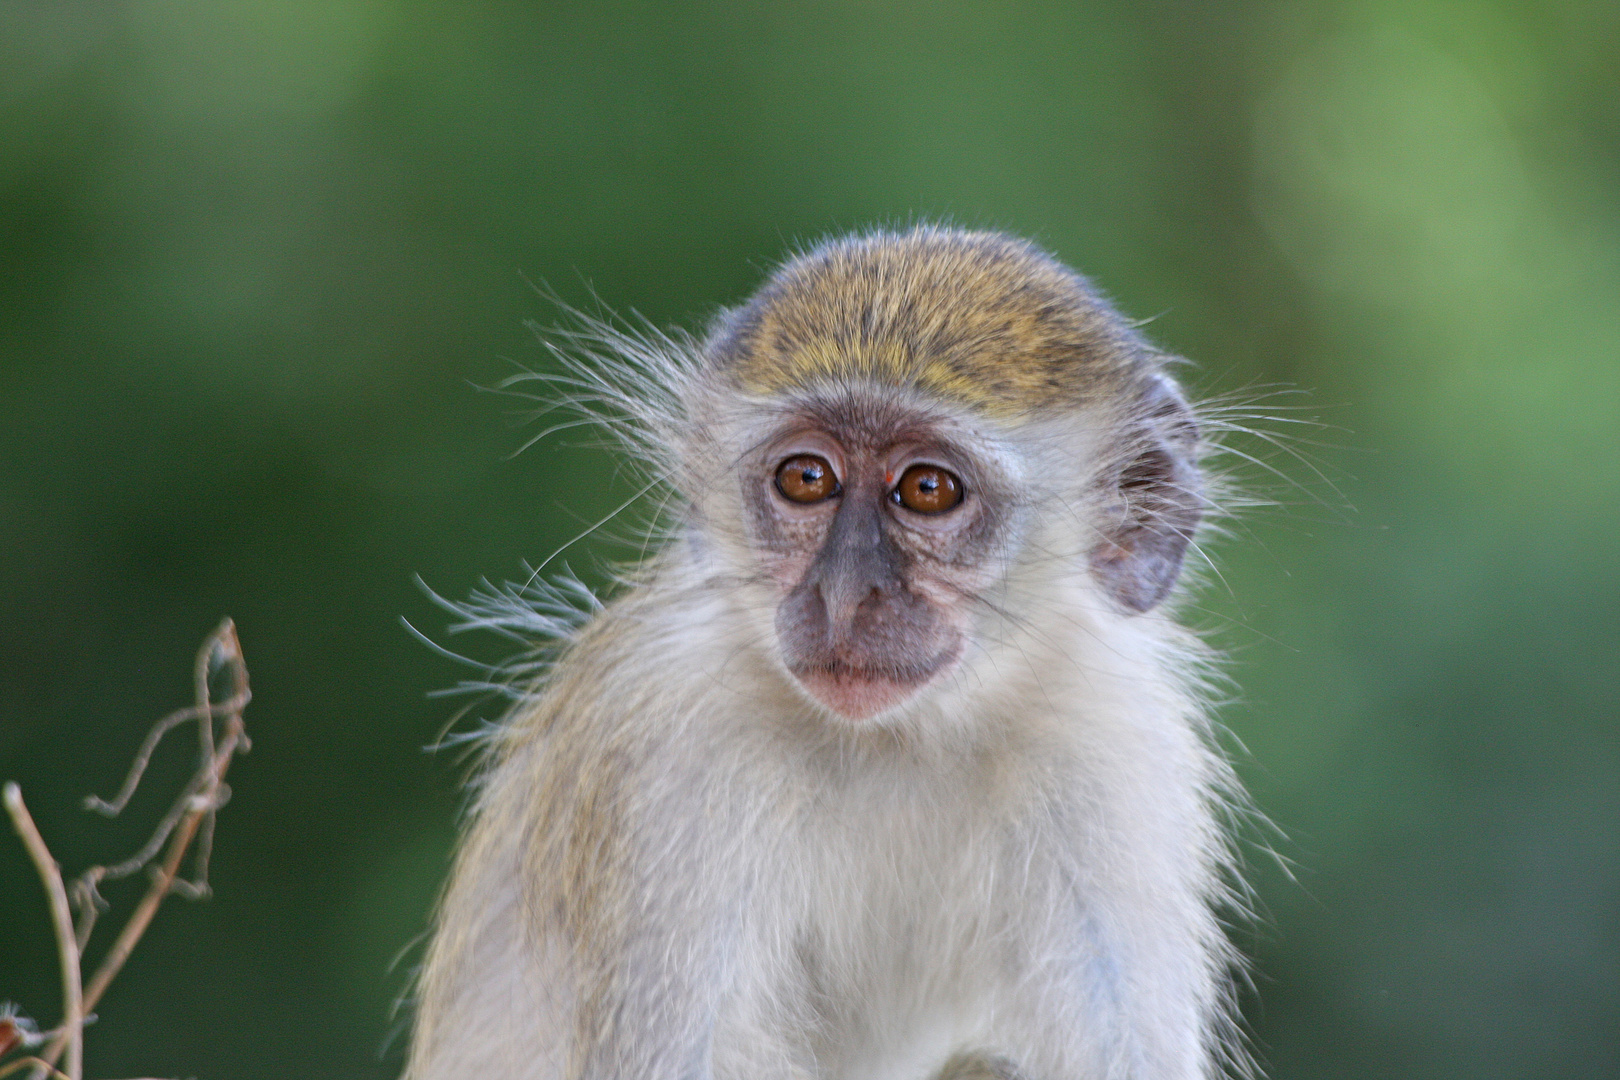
[[877, 527]]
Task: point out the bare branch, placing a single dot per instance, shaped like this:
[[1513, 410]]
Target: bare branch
[[190, 819], [67, 943], [41, 1068], [137, 768]]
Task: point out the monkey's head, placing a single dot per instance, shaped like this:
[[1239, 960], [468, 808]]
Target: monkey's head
[[926, 413]]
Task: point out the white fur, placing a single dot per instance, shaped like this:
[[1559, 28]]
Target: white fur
[[1027, 860]]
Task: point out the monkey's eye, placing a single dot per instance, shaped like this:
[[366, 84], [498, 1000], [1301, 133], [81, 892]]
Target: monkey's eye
[[806, 478], [927, 489]]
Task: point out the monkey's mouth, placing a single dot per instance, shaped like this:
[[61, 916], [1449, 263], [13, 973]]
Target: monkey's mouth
[[858, 691]]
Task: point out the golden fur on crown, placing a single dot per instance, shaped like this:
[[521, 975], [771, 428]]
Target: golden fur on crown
[[981, 318]]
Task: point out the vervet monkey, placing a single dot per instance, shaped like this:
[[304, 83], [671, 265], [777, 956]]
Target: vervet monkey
[[889, 763]]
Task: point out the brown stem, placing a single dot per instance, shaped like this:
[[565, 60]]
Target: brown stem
[[67, 944], [199, 804], [41, 1068]]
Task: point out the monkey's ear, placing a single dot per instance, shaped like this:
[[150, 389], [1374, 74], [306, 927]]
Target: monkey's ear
[[1152, 503]]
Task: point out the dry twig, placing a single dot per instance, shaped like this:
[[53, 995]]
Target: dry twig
[[67, 945], [190, 818]]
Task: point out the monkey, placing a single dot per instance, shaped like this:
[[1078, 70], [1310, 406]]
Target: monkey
[[891, 759]]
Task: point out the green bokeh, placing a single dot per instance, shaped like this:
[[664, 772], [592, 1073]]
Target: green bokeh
[[253, 254]]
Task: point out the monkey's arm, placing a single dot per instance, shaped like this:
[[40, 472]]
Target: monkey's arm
[[592, 921], [567, 950], [1127, 973], [488, 1001]]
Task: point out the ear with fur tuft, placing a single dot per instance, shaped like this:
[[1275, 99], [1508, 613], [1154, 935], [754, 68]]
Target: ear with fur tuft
[[1157, 501]]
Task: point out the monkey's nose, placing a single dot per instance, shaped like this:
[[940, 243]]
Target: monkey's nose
[[848, 604]]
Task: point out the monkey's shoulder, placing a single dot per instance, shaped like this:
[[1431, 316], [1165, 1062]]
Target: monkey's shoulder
[[647, 654]]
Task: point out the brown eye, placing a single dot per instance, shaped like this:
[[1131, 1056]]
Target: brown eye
[[928, 489], [806, 479]]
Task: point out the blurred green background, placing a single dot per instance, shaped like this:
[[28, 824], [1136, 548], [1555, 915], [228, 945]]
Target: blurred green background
[[253, 254]]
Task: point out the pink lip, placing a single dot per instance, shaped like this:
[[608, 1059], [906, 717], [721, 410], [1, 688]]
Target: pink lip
[[859, 694], [856, 697]]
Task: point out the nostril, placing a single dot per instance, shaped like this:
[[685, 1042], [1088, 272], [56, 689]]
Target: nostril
[[876, 607], [876, 599]]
